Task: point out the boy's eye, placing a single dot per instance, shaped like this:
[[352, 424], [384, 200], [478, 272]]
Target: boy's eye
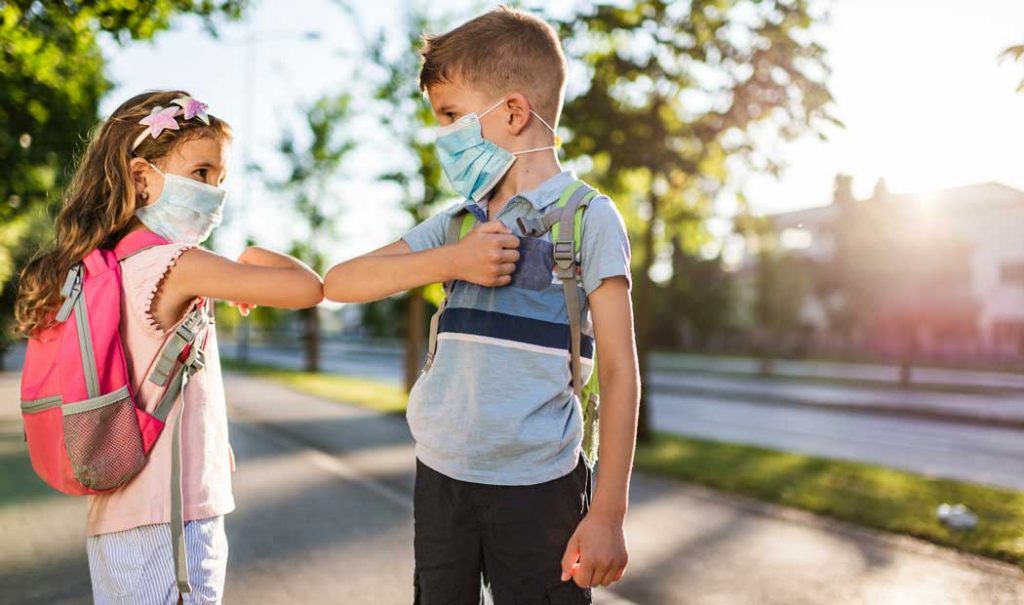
[[451, 115], [201, 173]]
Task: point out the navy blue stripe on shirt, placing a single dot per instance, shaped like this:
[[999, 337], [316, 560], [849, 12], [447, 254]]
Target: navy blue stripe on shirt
[[511, 327]]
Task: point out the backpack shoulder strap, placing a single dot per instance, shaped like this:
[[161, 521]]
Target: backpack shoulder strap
[[461, 223], [137, 241], [570, 224]]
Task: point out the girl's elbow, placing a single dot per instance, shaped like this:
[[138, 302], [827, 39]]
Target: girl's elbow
[[315, 296], [314, 293], [307, 293]]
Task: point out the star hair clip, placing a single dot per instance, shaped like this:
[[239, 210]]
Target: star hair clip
[[166, 118]]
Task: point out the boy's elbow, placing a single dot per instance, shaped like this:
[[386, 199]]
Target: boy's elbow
[[333, 290], [337, 287]]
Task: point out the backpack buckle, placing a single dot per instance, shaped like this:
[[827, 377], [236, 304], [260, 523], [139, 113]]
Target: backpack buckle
[[70, 292], [192, 325], [564, 256], [531, 227]]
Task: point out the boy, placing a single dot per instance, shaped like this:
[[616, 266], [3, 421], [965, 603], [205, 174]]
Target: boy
[[502, 491]]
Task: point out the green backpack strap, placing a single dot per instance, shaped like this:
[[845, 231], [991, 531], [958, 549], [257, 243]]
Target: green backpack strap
[[462, 223]]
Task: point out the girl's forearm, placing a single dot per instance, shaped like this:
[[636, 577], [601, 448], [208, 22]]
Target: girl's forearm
[[257, 255], [299, 286]]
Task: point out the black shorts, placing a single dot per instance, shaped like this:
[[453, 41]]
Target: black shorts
[[473, 538]]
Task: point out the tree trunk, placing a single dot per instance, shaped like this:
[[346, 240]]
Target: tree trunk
[[243, 341], [766, 352], [906, 371], [642, 301], [414, 337], [908, 356], [311, 325]]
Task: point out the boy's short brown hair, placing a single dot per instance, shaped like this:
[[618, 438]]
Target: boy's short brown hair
[[501, 51]]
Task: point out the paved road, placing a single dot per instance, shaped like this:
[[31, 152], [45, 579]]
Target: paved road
[[795, 416], [723, 379], [323, 494], [976, 454], [994, 408], [871, 372]]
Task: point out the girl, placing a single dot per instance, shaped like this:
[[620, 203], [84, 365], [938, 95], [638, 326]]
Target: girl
[[157, 163]]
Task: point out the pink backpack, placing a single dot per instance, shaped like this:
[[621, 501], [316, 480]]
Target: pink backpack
[[85, 432]]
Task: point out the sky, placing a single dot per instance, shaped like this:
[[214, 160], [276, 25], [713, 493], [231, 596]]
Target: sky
[[918, 84]]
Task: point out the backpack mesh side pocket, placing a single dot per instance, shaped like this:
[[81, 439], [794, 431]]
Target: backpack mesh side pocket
[[103, 440]]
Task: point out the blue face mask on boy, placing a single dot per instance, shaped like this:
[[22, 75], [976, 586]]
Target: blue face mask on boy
[[186, 212], [473, 164]]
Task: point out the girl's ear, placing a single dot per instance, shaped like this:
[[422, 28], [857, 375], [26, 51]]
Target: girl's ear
[[139, 167], [518, 112]]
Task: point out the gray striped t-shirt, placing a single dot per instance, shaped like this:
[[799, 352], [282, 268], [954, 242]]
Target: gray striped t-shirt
[[497, 405]]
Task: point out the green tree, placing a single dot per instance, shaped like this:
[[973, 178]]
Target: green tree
[[51, 83], [782, 284], [697, 304], [679, 94], [406, 115], [312, 167]]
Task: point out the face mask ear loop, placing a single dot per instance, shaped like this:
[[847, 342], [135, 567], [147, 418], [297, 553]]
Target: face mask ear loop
[[533, 150], [558, 139], [491, 108], [544, 122]]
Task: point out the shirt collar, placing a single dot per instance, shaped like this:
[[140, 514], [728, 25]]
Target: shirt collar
[[540, 197], [549, 191]]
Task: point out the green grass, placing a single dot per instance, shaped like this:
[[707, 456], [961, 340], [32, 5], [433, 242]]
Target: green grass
[[868, 495], [864, 494], [363, 392]]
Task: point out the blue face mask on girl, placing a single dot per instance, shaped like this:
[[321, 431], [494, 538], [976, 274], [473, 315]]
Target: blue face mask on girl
[[186, 212], [473, 164]]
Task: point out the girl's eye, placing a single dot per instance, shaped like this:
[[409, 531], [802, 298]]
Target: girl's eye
[[201, 173], [450, 115]]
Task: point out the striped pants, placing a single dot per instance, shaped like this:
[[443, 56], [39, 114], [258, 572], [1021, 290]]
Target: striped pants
[[135, 566]]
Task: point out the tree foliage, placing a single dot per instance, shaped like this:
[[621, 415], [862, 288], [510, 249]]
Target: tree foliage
[[678, 96], [51, 82], [406, 117]]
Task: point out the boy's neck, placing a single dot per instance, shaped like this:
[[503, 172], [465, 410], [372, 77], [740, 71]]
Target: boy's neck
[[529, 171]]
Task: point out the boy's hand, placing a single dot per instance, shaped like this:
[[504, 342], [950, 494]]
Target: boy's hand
[[596, 553], [487, 255]]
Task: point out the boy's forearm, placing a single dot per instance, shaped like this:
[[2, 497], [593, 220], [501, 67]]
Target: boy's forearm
[[375, 276], [619, 406]]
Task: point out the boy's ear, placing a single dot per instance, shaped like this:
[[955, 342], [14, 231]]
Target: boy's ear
[[518, 112]]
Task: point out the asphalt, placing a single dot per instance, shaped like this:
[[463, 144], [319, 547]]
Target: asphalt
[[324, 516]]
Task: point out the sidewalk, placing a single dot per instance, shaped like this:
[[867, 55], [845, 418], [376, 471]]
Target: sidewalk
[[324, 516]]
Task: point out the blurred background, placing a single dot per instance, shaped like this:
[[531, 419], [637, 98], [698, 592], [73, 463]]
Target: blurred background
[[826, 210]]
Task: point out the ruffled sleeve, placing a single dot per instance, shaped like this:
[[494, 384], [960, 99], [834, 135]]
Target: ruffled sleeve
[[143, 273]]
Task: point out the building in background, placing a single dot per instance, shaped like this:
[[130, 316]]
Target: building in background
[[988, 218]]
